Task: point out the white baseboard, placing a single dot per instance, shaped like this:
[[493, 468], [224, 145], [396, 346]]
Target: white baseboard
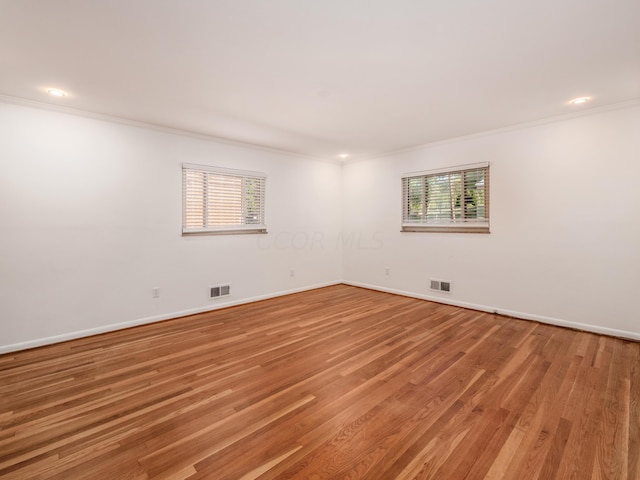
[[142, 321], [484, 308], [501, 311]]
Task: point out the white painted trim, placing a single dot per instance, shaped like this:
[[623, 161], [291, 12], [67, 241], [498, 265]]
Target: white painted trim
[[168, 316], [222, 170], [452, 169], [509, 128], [365, 157], [143, 321], [500, 311], [154, 127]]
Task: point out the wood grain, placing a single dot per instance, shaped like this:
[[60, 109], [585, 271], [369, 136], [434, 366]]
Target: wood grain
[[334, 383]]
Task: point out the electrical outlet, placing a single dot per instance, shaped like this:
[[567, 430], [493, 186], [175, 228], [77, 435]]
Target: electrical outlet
[[155, 292], [292, 273], [387, 272]]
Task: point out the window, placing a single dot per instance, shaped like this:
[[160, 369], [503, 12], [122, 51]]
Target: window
[[447, 200], [217, 200]]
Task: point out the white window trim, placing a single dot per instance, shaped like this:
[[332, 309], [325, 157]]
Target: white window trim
[[223, 170], [223, 229], [459, 226], [456, 168]]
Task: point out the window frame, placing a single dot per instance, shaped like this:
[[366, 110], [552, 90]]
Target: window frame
[[224, 229], [451, 225]]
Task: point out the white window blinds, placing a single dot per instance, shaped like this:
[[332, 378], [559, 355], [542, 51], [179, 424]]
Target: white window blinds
[[447, 200], [217, 200]]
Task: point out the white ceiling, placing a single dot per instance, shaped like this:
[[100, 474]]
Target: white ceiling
[[321, 77]]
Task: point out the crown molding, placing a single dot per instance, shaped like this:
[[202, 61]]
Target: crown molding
[[511, 128], [155, 127]]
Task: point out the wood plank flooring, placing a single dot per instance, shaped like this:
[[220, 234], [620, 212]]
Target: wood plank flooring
[[334, 383]]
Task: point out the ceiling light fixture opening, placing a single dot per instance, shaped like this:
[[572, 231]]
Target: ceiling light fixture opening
[[579, 100], [56, 92], [344, 155]]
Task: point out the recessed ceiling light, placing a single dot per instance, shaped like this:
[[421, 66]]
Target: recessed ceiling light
[[579, 100], [56, 92], [344, 155]]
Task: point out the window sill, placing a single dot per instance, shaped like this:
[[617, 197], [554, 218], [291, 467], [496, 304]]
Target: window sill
[[242, 231], [446, 229]]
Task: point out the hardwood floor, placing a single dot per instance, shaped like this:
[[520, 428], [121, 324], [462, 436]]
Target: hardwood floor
[[338, 382]]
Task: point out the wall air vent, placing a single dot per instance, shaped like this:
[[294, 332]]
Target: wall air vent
[[440, 286], [219, 291]]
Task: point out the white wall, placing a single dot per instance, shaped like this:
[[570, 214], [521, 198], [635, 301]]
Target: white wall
[[564, 245], [90, 219], [90, 222]]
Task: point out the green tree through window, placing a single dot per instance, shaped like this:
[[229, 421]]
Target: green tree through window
[[456, 199]]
